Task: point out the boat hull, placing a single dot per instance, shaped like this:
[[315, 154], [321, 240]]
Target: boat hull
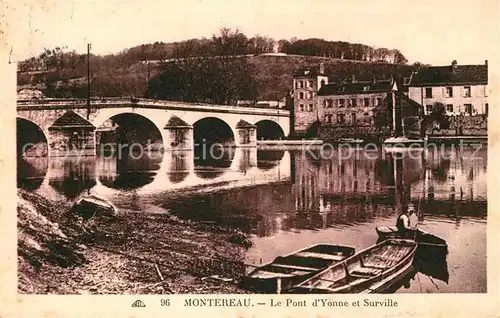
[[425, 240], [373, 270], [291, 269]]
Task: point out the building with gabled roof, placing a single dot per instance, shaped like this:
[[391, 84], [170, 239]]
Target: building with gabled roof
[[463, 89]]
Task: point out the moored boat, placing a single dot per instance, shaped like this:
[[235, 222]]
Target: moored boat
[[371, 270], [422, 237], [288, 270]]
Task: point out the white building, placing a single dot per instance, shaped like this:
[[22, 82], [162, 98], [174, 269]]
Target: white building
[[463, 89]]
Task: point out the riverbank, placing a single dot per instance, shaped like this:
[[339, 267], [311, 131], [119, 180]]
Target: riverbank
[[130, 253]]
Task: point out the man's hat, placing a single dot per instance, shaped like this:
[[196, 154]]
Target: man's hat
[[411, 207]]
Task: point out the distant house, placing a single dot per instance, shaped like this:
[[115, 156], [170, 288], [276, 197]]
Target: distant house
[[463, 89], [306, 84], [353, 103], [262, 103]]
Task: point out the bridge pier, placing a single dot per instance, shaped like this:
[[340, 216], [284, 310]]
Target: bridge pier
[[177, 135], [246, 134], [71, 135]]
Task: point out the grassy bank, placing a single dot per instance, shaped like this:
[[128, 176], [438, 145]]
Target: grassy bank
[[127, 253]]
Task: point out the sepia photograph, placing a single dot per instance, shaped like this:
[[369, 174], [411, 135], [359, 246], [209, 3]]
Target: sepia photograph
[[253, 147]]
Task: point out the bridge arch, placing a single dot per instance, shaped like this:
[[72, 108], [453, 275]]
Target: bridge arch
[[269, 130], [31, 139], [128, 131], [211, 130]]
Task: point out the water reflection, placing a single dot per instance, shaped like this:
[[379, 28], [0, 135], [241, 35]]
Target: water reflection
[[72, 177], [269, 159], [31, 172], [179, 165], [288, 200], [211, 163], [128, 173]]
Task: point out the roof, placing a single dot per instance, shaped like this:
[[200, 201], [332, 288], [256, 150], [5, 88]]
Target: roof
[[244, 124], [356, 88], [176, 122], [445, 75], [308, 71], [71, 119]]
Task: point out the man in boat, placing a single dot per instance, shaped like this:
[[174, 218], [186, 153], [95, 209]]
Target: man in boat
[[405, 229]]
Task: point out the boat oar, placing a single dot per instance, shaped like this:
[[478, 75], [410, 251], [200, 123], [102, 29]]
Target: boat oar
[[418, 215]]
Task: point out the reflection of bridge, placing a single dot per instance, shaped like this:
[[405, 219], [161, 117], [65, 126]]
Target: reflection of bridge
[[174, 171], [176, 123]]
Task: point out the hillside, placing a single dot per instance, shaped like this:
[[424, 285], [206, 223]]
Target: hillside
[[274, 76]]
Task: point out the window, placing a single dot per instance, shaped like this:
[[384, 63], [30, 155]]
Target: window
[[322, 83], [311, 84], [486, 108], [366, 114], [366, 102], [310, 108], [341, 102], [428, 108], [353, 118], [428, 92], [301, 95], [468, 109], [340, 118], [328, 118], [449, 108], [309, 95], [466, 91], [486, 91], [448, 91], [378, 101], [301, 107], [330, 103], [354, 102], [301, 84], [297, 84]]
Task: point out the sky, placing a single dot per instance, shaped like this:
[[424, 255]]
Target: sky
[[434, 32]]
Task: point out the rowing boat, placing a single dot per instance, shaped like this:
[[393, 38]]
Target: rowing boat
[[288, 270], [370, 271], [422, 237]]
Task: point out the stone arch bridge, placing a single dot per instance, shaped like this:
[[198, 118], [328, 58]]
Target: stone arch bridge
[[69, 124]]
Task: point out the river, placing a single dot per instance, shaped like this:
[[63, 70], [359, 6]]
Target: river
[[287, 200]]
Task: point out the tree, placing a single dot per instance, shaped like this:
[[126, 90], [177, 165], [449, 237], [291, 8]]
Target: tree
[[437, 118], [399, 58], [221, 78]]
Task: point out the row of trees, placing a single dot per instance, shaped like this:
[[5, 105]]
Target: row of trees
[[341, 50], [61, 58]]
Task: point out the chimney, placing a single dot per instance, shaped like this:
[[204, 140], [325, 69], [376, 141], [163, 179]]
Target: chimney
[[486, 62], [321, 68], [453, 66]]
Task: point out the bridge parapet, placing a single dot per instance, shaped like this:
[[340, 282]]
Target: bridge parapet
[[53, 103]]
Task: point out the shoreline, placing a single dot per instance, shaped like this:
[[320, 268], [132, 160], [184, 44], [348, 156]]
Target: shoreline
[[137, 254]]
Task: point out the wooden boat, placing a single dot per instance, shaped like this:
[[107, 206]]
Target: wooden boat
[[371, 270], [288, 270], [422, 237]]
